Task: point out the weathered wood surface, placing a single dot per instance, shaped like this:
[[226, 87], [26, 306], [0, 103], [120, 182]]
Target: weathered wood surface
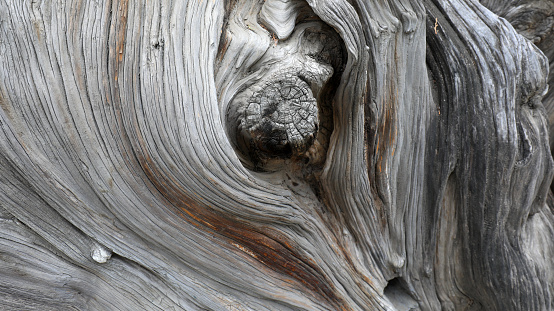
[[276, 155], [535, 21]]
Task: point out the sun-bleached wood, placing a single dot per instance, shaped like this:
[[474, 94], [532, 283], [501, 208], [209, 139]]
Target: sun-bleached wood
[[276, 155]]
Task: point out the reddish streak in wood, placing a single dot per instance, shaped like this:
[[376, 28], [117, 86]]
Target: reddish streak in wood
[[278, 254]]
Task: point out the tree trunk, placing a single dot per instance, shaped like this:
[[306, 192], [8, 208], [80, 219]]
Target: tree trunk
[[276, 155]]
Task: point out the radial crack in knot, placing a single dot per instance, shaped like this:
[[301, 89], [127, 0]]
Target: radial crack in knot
[[281, 110], [281, 119]]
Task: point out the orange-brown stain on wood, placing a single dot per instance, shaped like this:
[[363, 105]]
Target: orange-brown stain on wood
[[277, 253], [388, 129], [37, 28], [120, 28]]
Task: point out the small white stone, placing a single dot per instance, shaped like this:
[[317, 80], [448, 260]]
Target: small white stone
[[100, 254]]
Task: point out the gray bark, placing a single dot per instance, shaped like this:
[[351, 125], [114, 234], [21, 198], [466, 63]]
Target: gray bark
[[276, 155]]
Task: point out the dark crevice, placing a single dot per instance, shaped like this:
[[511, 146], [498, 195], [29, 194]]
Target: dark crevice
[[399, 296]]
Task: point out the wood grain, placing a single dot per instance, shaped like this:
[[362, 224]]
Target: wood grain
[[135, 174]]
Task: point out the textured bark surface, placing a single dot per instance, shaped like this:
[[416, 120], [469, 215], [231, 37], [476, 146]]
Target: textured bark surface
[[535, 21], [276, 155]]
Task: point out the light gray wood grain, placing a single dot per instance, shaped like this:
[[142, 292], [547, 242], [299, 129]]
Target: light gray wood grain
[[153, 155]]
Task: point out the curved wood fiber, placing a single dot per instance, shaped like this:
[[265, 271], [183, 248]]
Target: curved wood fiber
[[276, 155]]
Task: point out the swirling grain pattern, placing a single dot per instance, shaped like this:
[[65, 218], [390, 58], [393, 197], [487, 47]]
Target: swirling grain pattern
[[274, 155]]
